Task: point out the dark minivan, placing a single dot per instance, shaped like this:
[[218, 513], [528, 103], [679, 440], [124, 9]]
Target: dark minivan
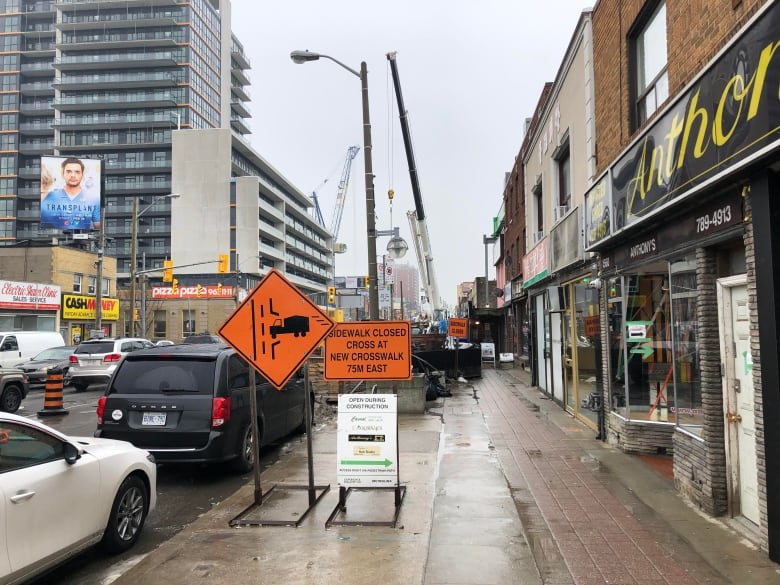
[[190, 403]]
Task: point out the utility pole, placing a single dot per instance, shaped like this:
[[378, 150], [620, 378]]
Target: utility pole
[[99, 272]]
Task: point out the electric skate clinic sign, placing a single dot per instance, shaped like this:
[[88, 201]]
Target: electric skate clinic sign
[[367, 444]]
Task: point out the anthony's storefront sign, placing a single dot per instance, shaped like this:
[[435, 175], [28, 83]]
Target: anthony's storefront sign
[[82, 308]]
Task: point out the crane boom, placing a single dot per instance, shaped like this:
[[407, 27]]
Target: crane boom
[[422, 242], [341, 194]]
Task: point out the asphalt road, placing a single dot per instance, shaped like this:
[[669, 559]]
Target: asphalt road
[[184, 492]]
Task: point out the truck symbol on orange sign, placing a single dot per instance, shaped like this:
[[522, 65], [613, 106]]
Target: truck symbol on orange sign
[[297, 325]]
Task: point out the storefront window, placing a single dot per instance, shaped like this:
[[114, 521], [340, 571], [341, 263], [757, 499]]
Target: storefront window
[[654, 354], [617, 362], [584, 372], [187, 322], [687, 406], [160, 324], [646, 350]]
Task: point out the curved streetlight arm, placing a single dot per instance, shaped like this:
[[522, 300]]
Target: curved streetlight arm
[[373, 292], [304, 56]]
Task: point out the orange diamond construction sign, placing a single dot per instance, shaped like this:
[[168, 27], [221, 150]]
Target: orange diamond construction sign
[[276, 328]]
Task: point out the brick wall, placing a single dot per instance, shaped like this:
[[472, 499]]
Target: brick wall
[[755, 350], [700, 462], [696, 31], [639, 438]]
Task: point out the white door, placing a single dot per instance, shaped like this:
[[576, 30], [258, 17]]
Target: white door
[[738, 397]]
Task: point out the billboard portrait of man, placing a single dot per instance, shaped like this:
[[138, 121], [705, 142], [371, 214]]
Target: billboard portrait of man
[[72, 201]]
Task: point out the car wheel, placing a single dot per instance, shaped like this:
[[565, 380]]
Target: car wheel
[[78, 387], [11, 399], [301, 428], [244, 461], [127, 515]]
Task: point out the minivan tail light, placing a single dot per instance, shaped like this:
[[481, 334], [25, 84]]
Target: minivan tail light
[[220, 412], [101, 408], [112, 357]]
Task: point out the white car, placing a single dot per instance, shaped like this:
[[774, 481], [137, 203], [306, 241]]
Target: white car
[[60, 495]]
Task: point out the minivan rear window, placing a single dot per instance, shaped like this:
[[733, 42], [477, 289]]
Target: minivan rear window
[[168, 376]]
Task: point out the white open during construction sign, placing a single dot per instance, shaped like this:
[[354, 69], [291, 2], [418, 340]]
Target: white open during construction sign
[[367, 451]]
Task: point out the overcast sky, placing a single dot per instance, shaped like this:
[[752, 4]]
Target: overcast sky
[[471, 72]]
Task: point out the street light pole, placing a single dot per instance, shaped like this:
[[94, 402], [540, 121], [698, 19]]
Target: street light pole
[[373, 292], [373, 284], [134, 251], [133, 260], [487, 240]]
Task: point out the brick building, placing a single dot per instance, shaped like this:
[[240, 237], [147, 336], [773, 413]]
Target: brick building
[[681, 215]]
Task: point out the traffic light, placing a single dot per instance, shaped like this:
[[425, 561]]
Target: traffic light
[[167, 270], [367, 282], [222, 263], [175, 286], [198, 290], [331, 295], [135, 314]]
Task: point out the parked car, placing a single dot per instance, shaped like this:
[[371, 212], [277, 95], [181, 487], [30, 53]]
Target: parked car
[[163, 343], [94, 360], [37, 367], [99, 491], [13, 389], [16, 346], [191, 403], [203, 338]]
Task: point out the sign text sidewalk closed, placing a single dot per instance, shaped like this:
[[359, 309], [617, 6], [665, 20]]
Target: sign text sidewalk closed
[[369, 350]]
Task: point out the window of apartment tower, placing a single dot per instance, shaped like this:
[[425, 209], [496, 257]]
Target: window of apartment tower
[[649, 44]]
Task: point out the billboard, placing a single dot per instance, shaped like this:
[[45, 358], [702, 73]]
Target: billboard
[[70, 193]]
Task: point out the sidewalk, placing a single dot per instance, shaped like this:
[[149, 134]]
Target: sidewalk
[[503, 487]]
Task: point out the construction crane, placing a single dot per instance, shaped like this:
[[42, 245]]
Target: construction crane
[[341, 196], [422, 243]]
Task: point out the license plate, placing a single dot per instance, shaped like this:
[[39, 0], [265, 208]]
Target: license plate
[[153, 419]]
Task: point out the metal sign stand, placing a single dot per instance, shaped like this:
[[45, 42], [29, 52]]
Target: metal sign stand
[[243, 519], [344, 493]]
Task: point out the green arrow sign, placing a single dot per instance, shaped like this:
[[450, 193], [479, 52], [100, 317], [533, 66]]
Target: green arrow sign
[[384, 463], [645, 323], [645, 350]]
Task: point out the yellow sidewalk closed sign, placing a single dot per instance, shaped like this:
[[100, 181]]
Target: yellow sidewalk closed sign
[[369, 350]]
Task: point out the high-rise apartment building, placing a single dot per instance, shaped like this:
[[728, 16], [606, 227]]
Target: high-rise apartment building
[[112, 80]]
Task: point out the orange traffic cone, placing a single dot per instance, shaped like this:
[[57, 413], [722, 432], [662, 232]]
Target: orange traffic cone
[[52, 399]]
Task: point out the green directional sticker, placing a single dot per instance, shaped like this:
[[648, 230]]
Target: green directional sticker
[[383, 463], [645, 350]]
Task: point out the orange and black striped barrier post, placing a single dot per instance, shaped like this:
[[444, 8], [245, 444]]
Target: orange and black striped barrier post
[[52, 399]]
